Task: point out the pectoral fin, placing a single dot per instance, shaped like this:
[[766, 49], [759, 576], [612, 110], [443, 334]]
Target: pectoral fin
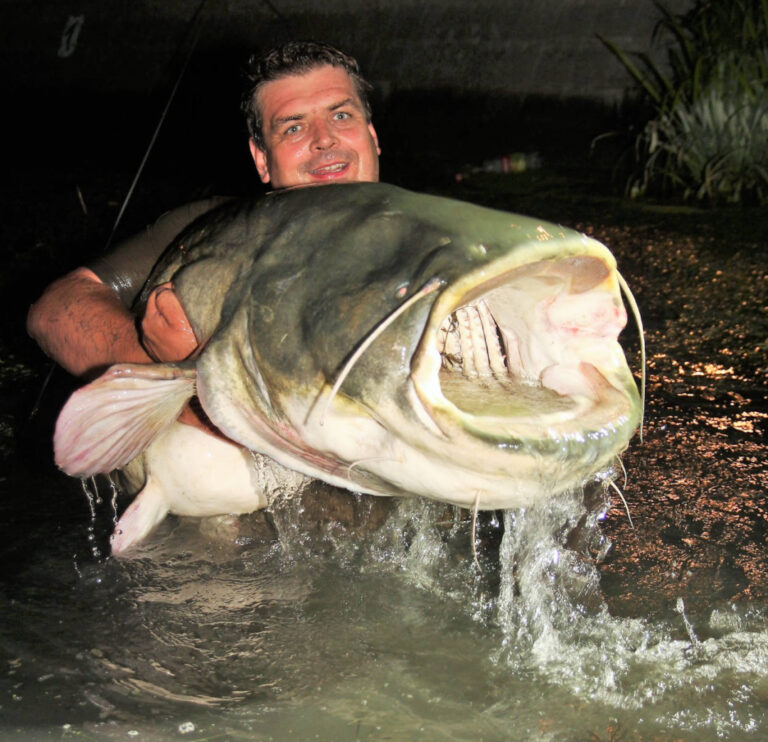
[[114, 418]]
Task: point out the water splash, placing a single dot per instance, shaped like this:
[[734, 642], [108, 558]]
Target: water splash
[[556, 626], [94, 500], [680, 608], [547, 588]]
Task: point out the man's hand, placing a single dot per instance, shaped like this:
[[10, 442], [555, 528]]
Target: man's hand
[[83, 326], [166, 332], [167, 335]]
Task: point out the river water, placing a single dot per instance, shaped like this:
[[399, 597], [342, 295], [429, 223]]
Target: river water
[[346, 618]]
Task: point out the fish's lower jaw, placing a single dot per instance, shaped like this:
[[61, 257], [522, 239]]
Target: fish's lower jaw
[[508, 494], [471, 482], [574, 437]]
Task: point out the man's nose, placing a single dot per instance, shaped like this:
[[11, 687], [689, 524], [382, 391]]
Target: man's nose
[[323, 136]]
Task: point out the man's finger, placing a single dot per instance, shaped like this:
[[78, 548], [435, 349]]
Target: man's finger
[[166, 331]]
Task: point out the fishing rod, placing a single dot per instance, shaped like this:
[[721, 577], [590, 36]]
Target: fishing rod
[[193, 30]]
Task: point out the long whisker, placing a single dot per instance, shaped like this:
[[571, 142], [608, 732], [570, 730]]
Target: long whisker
[[432, 285], [475, 508], [623, 469], [639, 321], [626, 507]]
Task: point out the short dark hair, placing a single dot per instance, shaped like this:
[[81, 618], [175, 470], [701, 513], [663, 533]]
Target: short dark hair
[[294, 58]]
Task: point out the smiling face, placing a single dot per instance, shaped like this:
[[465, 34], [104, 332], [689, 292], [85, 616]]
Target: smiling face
[[315, 131]]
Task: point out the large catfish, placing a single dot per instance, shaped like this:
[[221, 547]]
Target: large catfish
[[380, 340]]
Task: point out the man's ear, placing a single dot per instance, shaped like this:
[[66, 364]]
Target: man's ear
[[260, 160], [375, 138]]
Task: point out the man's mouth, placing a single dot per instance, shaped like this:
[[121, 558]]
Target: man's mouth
[[328, 172]]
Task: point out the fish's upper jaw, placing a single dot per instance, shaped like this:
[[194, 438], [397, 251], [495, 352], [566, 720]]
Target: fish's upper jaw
[[529, 354]]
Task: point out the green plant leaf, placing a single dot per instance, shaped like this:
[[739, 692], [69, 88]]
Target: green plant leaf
[[630, 66]]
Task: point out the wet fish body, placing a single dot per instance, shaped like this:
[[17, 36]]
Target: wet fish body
[[384, 341]]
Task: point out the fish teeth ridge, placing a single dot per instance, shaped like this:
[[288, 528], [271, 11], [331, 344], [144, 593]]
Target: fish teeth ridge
[[469, 342]]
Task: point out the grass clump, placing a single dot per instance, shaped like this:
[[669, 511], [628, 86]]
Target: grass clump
[[708, 135]]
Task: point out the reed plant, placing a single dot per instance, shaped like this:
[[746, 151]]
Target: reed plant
[[708, 135]]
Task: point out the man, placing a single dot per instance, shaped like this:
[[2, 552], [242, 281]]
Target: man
[[310, 124]]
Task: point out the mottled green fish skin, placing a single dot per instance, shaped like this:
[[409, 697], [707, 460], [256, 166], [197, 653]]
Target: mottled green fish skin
[[283, 289]]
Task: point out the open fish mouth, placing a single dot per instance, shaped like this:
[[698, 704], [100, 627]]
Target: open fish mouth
[[529, 354]]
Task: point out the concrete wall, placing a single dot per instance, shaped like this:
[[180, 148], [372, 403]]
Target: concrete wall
[[544, 47]]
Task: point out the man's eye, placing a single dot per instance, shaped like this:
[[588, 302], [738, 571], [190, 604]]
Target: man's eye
[[341, 115], [293, 129]]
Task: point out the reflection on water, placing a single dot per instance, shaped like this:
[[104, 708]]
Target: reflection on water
[[349, 618]]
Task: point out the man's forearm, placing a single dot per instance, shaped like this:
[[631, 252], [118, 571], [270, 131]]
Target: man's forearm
[[83, 326]]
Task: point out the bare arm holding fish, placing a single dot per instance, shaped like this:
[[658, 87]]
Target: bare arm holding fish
[[84, 321], [81, 323]]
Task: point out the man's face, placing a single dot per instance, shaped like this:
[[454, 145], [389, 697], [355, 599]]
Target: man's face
[[315, 131]]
